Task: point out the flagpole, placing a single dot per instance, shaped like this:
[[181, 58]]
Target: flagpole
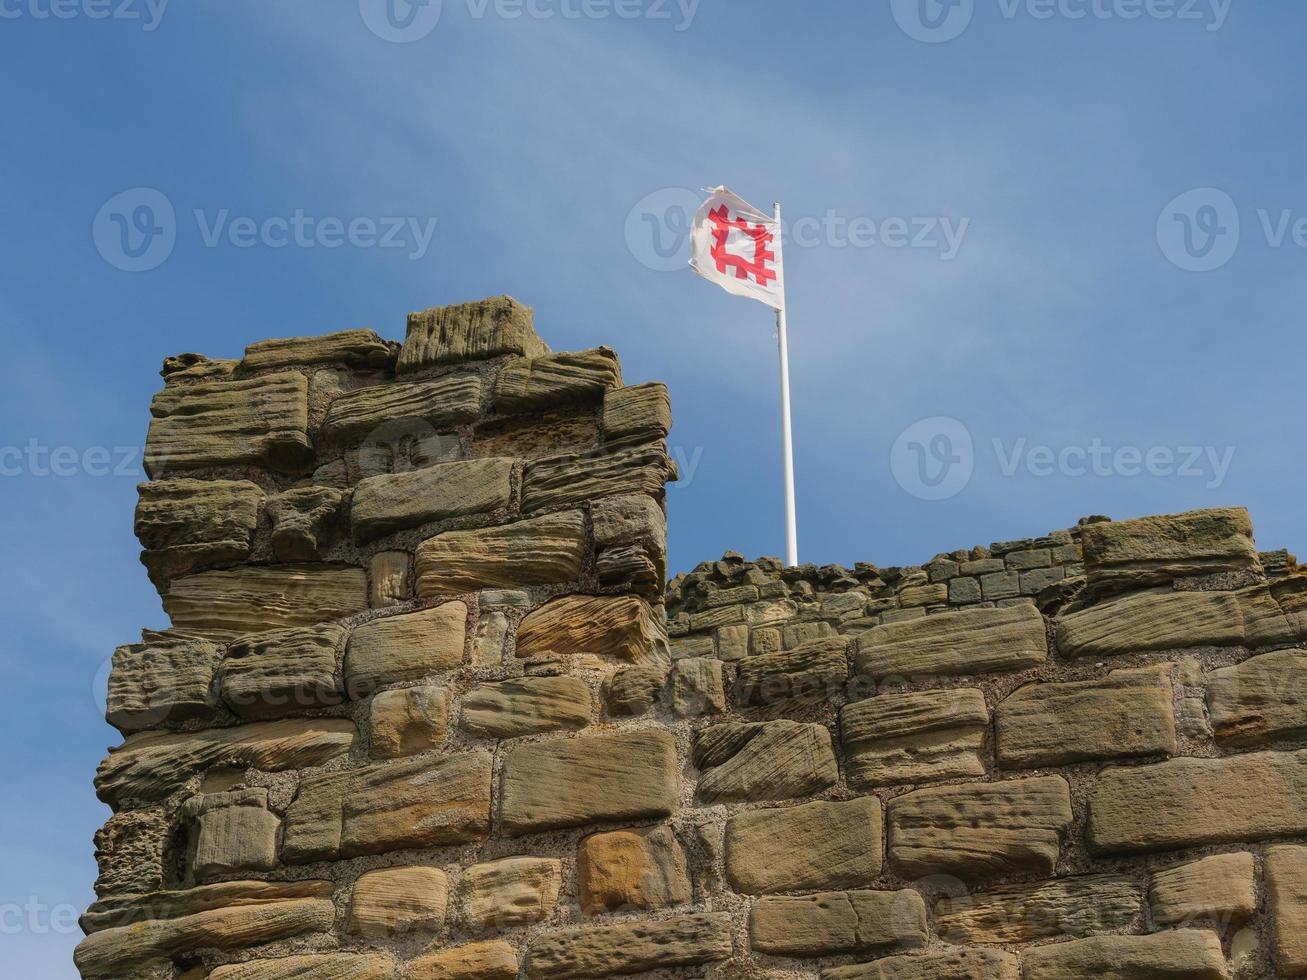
[[791, 525]]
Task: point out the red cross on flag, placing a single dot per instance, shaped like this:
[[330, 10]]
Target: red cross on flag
[[738, 247]]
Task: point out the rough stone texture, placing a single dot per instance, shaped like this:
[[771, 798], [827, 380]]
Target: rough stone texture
[[574, 430], [185, 524], [976, 831], [1264, 697], [484, 328], [169, 679], [697, 687], [589, 779], [355, 348], [801, 848], [234, 834], [632, 869], [261, 422], [950, 964], [396, 501], [551, 380], [408, 721], [1188, 802], [1125, 555], [365, 413], [611, 627], [129, 852], [838, 922], [913, 738], [636, 415], [126, 910], [1128, 713], [225, 604], [393, 901], [476, 961], [283, 672], [305, 521], [332, 966], [1063, 908], [1286, 898], [1219, 888], [974, 641], [389, 580], [631, 947], [813, 672], [775, 760], [634, 690], [405, 648], [542, 551], [560, 481], [1187, 954], [1153, 621], [422, 802], [526, 706], [511, 892]]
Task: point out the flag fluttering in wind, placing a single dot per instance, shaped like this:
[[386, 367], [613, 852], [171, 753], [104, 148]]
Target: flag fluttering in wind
[[738, 247]]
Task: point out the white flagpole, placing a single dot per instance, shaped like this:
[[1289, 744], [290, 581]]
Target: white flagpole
[[791, 525]]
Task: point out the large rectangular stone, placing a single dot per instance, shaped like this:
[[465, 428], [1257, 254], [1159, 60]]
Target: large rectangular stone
[[590, 779], [944, 964], [1062, 908], [423, 802], [618, 628], [1264, 697], [526, 706], [541, 551], [166, 679], [552, 380], [814, 672], [325, 966], [1194, 802], [484, 328], [420, 406], [913, 738], [973, 641], [816, 845], [1128, 713], [1125, 555], [283, 672], [359, 348], [404, 648], [980, 830], [1153, 621], [573, 478], [631, 947], [1186, 954], [1286, 899], [756, 762], [259, 422], [397, 501], [829, 923], [636, 415], [183, 524], [1221, 888]]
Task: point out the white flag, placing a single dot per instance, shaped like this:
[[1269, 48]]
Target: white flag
[[738, 247]]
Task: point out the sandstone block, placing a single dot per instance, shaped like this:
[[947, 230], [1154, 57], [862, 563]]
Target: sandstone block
[[593, 778], [1125, 555], [636, 415], [223, 605], [488, 646], [469, 331], [634, 690], [1065, 908], [973, 641], [551, 380], [394, 901], [356, 348], [813, 846], [234, 832], [542, 551], [153, 765], [814, 672], [515, 891], [1130, 712], [539, 435], [838, 922], [330, 966], [259, 422], [127, 910], [388, 575], [424, 802], [476, 961], [305, 521], [405, 648], [526, 706], [980, 830], [1191, 802], [697, 688], [1152, 621], [949, 964], [1220, 888], [183, 524], [397, 501], [1186, 954], [1286, 899], [631, 947], [419, 406], [774, 760], [572, 478], [283, 672], [912, 738], [608, 627], [408, 721], [632, 869], [168, 679], [129, 852], [1264, 697], [196, 367]]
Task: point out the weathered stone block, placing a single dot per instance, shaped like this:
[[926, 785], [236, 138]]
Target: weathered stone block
[[1186, 954], [814, 672], [1286, 899], [424, 802], [542, 551], [356, 348], [1262, 698], [183, 524], [774, 760], [838, 922], [636, 415], [468, 331], [948, 964], [526, 706], [980, 830], [305, 521], [1219, 888], [168, 679], [572, 782], [389, 580], [1125, 555], [127, 910], [631, 947], [394, 901], [1190, 802], [551, 380], [476, 961], [1130, 712], [537, 436], [129, 852], [697, 687], [419, 408], [1152, 621], [1063, 908], [632, 869], [234, 832], [634, 690], [397, 501], [973, 641], [912, 738], [515, 891], [260, 422], [283, 672], [569, 479], [408, 721], [610, 627], [813, 846], [405, 648], [328, 966]]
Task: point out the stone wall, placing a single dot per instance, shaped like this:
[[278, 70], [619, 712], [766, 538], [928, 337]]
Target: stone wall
[[422, 714]]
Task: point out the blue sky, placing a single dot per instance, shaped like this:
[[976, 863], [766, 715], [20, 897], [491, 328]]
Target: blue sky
[[1058, 140]]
